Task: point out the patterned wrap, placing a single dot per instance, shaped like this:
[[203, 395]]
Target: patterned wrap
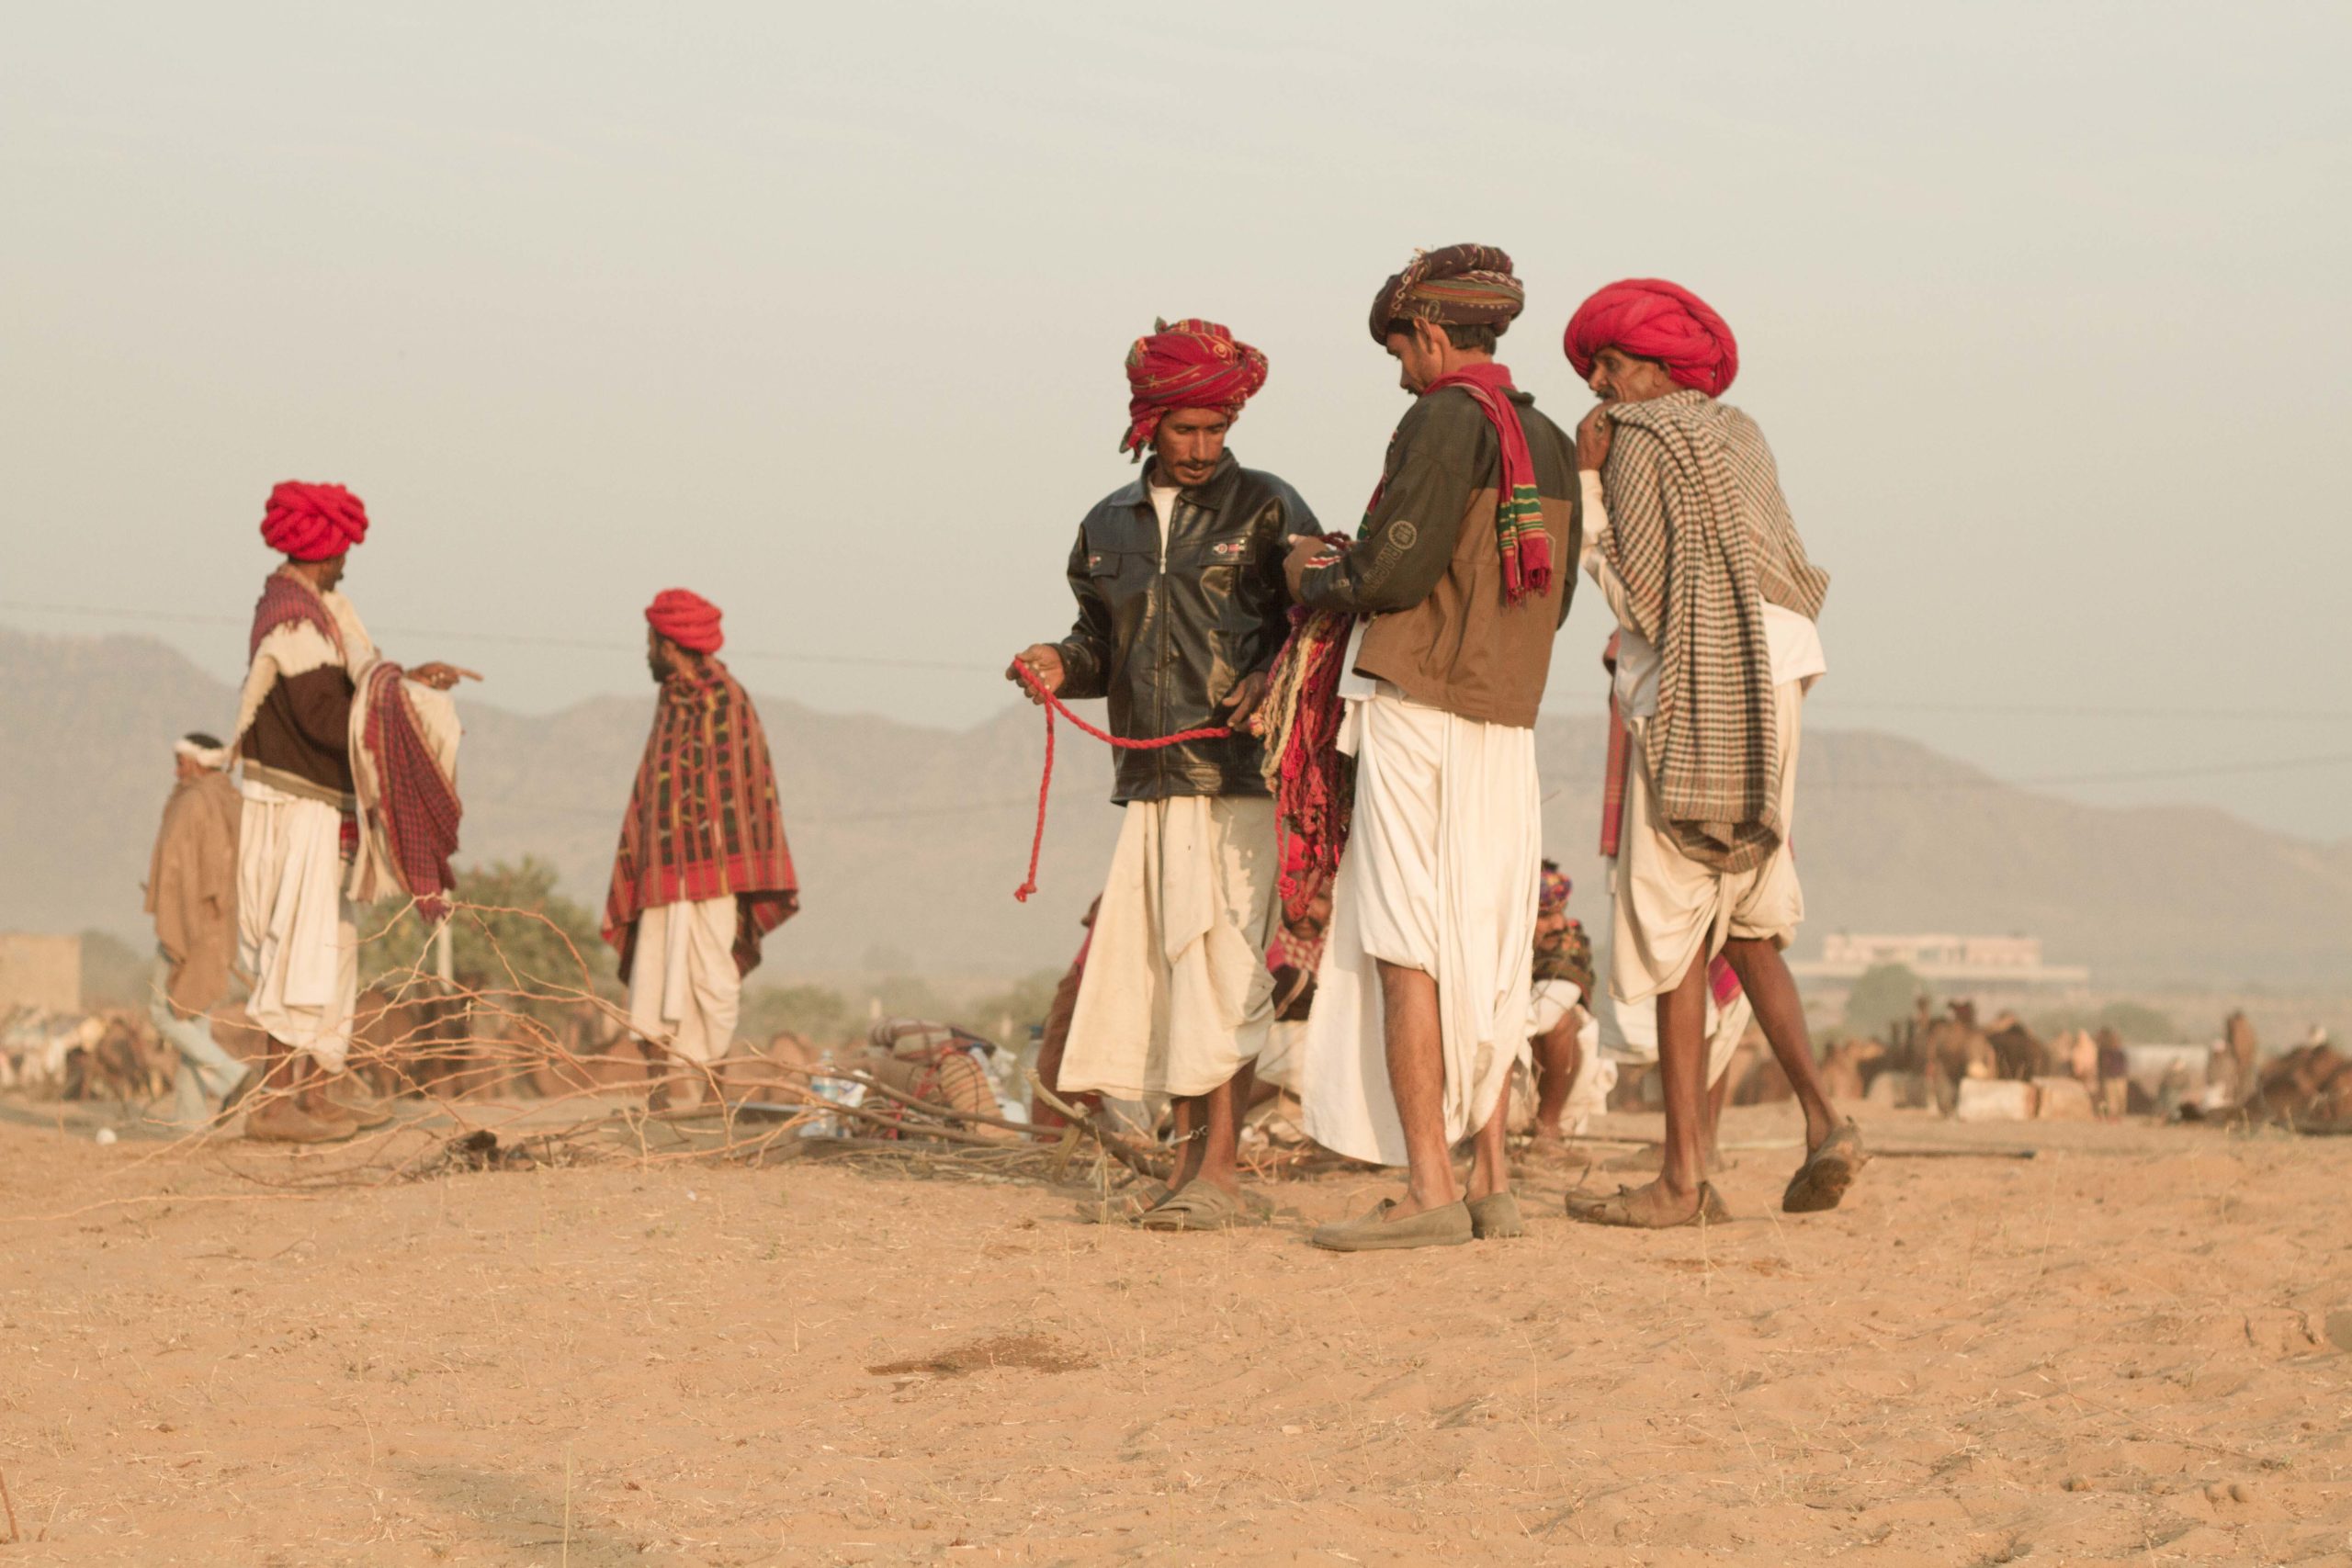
[[1190, 364], [418, 808], [287, 599], [1567, 957], [1552, 895], [703, 819], [1458, 285], [1702, 538]]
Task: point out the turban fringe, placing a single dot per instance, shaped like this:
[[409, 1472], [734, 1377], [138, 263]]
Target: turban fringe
[[687, 619], [1459, 285], [313, 523], [1652, 318], [1190, 364]]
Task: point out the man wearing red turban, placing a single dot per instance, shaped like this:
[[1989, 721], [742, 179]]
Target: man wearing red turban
[[1178, 577], [1421, 1011], [347, 788], [703, 872], [1692, 544]]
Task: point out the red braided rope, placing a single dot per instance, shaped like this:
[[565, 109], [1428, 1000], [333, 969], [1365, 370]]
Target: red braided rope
[[1053, 705]]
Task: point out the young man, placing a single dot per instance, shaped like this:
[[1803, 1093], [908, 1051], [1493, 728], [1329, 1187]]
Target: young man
[[1458, 578], [192, 893], [299, 831], [1181, 612], [703, 872], [1716, 601]]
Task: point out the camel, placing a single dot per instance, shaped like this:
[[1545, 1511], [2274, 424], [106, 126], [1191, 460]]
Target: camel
[[2308, 1089], [1848, 1066], [2015, 1047], [1953, 1048]]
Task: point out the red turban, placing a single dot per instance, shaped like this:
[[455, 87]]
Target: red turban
[[1652, 318], [687, 619], [1190, 364], [312, 522]]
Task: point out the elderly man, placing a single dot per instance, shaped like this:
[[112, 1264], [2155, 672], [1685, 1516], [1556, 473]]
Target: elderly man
[[703, 872], [1422, 1007], [1694, 547], [1181, 612], [313, 680], [192, 893]]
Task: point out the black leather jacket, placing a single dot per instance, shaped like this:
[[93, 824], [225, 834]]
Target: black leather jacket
[[1167, 643]]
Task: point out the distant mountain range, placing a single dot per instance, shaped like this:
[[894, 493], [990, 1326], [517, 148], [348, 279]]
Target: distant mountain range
[[910, 841]]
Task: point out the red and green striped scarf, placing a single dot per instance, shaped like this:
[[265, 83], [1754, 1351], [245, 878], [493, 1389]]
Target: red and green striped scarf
[[1519, 509], [703, 820]]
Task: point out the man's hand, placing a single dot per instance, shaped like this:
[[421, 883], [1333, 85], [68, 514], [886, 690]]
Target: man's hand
[[1306, 552], [1242, 703], [439, 676], [1045, 661], [1594, 432]]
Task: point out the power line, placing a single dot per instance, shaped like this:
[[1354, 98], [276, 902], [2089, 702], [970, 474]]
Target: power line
[[509, 638], [2275, 765]]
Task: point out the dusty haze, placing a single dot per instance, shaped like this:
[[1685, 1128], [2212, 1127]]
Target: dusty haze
[[822, 312]]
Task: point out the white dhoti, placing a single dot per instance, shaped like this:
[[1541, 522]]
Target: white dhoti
[[1596, 1074], [1177, 996], [1279, 1064], [683, 987], [297, 934], [1671, 911], [1628, 1031], [1440, 875]]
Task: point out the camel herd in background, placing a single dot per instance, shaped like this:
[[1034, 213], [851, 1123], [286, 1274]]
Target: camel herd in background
[[446, 1042]]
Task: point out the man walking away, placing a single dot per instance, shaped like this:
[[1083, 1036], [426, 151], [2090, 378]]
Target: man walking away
[[192, 893], [703, 872]]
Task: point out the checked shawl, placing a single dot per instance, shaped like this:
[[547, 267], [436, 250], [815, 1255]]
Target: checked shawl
[[1702, 537], [404, 771], [703, 820]]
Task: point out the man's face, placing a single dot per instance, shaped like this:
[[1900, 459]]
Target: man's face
[[1189, 443], [1619, 377], [660, 656], [329, 571], [184, 768], [1313, 921], [1551, 925], [1420, 353]]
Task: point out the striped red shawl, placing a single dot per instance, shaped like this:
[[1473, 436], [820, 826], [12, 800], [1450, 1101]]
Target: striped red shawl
[[703, 820], [419, 810]]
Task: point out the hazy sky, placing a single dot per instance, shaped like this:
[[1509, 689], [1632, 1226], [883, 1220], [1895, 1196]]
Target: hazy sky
[[821, 311]]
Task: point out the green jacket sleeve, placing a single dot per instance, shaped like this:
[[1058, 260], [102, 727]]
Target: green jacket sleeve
[[1411, 536]]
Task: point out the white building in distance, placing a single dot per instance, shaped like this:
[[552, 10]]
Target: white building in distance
[[1975, 960]]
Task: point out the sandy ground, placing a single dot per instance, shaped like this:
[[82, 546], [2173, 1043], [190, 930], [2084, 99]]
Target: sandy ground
[[2127, 1349]]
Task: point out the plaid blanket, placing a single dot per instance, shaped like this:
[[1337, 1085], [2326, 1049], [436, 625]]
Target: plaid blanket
[[1701, 534], [408, 791], [704, 819]]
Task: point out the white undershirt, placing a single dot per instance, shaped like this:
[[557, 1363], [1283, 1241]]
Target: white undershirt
[[1795, 641], [1163, 503]]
